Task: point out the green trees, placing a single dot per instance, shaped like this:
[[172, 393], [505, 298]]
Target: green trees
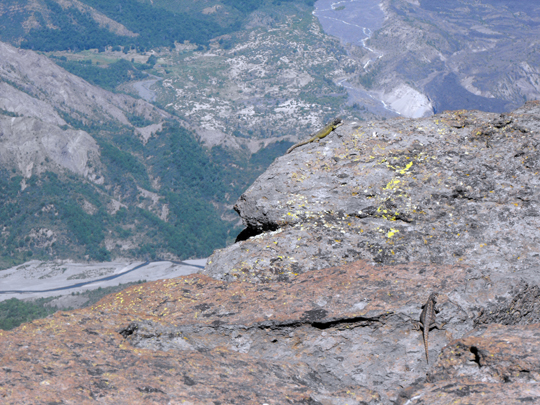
[[87, 229], [76, 31], [54, 203], [156, 27], [123, 164], [106, 77], [13, 312]]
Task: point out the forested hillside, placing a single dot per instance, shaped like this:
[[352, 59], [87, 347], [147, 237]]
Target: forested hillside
[[87, 174], [67, 25], [154, 201]]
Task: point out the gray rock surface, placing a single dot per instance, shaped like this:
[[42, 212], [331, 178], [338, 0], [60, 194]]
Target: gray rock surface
[[22, 104], [353, 325], [459, 187], [29, 144], [493, 365]]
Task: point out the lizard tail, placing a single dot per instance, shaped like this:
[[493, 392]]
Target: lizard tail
[[295, 146], [292, 148], [426, 346]]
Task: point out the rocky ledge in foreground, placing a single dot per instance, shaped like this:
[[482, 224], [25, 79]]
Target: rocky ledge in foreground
[[348, 239], [333, 336]]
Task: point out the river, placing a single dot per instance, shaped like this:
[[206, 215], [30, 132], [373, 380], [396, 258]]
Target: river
[[353, 22], [46, 279], [144, 90]]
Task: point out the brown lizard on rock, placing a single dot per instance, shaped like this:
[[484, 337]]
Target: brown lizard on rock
[[428, 321], [336, 122]]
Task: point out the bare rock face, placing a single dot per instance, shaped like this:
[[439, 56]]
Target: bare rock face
[[43, 80], [135, 348], [29, 144], [495, 365], [457, 188], [498, 354], [334, 336], [22, 104]]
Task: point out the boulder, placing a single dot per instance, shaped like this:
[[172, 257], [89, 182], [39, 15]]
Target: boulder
[[461, 187]]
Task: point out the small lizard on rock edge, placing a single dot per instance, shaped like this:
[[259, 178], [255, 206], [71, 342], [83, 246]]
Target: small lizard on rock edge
[[428, 321], [336, 122]]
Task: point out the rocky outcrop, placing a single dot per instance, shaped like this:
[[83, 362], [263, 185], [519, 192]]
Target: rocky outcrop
[[457, 188], [19, 103], [495, 365], [348, 239]]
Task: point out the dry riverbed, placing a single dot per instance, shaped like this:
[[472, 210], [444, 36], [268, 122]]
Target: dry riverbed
[[36, 279]]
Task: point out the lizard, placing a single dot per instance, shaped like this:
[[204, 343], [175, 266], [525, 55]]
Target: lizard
[[428, 320], [336, 122]]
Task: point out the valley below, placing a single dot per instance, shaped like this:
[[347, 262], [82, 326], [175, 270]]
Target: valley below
[[420, 57], [144, 88]]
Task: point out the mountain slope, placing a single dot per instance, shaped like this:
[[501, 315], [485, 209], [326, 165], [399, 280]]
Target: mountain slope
[[48, 25], [80, 180], [43, 80], [460, 54], [70, 20]]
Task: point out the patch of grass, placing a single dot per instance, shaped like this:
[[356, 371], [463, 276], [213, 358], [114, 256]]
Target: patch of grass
[[14, 312]]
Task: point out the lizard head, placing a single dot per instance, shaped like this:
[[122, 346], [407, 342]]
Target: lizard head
[[337, 121], [433, 296]]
